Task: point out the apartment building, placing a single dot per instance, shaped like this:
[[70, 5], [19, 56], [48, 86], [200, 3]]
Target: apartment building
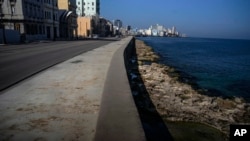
[[88, 12], [88, 8], [33, 19]]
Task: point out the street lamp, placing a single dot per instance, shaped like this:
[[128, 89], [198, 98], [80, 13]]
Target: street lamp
[[2, 25]]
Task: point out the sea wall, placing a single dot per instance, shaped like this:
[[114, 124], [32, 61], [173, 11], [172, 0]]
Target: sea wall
[[178, 101], [118, 118]]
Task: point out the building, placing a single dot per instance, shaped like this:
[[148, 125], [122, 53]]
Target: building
[[90, 7], [85, 27], [31, 19], [148, 32], [94, 27], [68, 19], [117, 27], [80, 8], [89, 21], [128, 28], [173, 30], [51, 18], [118, 23], [110, 28], [105, 27]]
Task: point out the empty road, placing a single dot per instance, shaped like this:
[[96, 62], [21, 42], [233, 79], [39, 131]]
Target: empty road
[[18, 62]]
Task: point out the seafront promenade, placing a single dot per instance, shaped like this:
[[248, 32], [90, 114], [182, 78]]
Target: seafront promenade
[[84, 98]]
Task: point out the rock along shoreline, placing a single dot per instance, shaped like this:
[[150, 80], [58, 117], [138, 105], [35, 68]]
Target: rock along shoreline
[[178, 101]]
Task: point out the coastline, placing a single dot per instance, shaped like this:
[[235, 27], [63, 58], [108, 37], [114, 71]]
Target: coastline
[[175, 100]]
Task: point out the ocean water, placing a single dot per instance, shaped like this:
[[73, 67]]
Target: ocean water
[[219, 66]]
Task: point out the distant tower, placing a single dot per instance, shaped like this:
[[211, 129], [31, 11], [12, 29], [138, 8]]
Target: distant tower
[[128, 28], [118, 23], [173, 30]]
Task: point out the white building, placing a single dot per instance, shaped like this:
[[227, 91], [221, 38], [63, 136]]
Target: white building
[[148, 32], [158, 30], [173, 30], [169, 31], [88, 7], [80, 7]]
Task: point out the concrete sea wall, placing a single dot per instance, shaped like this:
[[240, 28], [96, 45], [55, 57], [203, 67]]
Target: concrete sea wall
[[118, 117]]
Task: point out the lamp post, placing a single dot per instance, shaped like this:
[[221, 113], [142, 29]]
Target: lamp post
[[2, 25]]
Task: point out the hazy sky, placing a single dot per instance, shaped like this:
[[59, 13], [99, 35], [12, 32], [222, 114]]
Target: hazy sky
[[196, 18]]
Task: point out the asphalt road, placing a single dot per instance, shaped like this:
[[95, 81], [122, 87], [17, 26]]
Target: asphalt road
[[18, 62]]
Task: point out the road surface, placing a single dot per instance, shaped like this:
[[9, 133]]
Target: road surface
[[18, 62]]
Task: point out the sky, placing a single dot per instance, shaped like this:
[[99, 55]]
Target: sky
[[196, 18]]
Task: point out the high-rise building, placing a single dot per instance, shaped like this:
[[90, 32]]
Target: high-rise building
[[92, 7], [173, 30], [118, 23], [88, 7], [79, 9]]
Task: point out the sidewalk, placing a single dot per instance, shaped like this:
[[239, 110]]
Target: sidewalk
[[61, 103]]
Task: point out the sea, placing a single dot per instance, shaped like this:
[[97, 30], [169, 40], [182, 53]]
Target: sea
[[220, 67]]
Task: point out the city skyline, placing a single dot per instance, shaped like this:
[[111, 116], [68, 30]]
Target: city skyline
[[196, 18]]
